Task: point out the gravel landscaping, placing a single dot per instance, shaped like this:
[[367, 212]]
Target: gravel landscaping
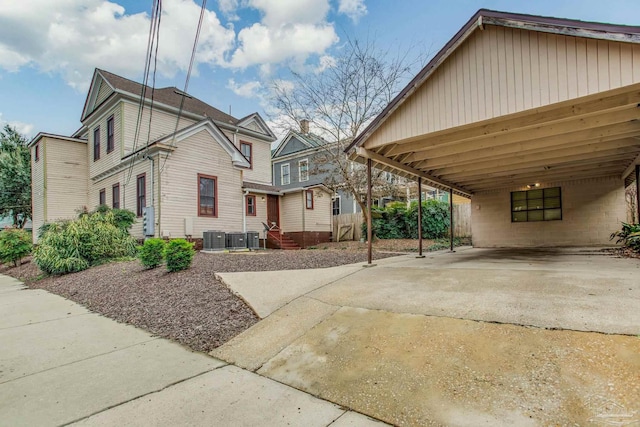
[[191, 306]]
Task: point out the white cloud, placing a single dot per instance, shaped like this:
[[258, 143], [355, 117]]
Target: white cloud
[[71, 37], [25, 129], [250, 89], [354, 9], [279, 12], [228, 9]]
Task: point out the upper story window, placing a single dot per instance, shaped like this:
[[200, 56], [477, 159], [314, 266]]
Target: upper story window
[[141, 193], [36, 150], [303, 169], [96, 144], [309, 199], [110, 135], [285, 174], [246, 149], [207, 200], [536, 205]]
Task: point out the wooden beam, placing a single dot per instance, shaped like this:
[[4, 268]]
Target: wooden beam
[[549, 179], [368, 154], [496, 153], [596, 126], [549, 158], [631, 167], [569, 166], [566, 110]]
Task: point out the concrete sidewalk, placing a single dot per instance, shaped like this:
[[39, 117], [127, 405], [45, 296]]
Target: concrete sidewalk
[[60, 364]]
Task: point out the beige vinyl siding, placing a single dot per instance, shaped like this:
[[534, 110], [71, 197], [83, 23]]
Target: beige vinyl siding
[[591, 210], [199, 154], [162, 124], [291, 205], [500, 71], [318, 218], [103, 93], [66, 178], [38, 188], [254, 223], [106, 161], [261, 170]]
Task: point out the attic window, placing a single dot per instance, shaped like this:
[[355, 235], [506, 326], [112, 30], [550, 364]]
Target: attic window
[[181, 93]]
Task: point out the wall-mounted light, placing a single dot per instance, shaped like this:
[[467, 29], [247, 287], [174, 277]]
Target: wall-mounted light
[[262, 198], [537, 184]]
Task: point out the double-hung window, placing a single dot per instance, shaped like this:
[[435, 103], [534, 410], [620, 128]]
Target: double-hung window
[[141, 193], [96, 144], [536, 205], [247, 151], [110, 135], [303, 169], [251, 205], [207, 196], [309, 199], [336, 205], [115, 196], [103, 197], [285, 174]]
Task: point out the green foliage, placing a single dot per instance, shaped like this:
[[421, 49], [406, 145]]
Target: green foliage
[[123, 218], [15, 244], [15, 176], [395, 221], [179, 254], [70, 246], [151, 252], [629, 236]]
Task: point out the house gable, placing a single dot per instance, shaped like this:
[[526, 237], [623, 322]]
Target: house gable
[[255, 123], [99, 91]]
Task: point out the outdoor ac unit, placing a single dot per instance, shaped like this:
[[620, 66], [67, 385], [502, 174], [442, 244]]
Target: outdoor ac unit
[[236, 241], [213, 240], [253, 240]]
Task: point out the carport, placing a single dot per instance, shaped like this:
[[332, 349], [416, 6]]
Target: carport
[[536, 119]]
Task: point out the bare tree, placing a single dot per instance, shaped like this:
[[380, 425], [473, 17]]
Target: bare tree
[[632, 209], [340, 101]]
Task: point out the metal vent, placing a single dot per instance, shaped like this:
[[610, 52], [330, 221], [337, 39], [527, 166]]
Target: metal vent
[[236, 241], [213, 240]]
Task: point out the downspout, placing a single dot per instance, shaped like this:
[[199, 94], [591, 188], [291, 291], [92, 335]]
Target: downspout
[[245, 193], [304, 209], [153, 196]]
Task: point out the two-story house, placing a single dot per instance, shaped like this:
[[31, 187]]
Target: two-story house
[[198, 168]]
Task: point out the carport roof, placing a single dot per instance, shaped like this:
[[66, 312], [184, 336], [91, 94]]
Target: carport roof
[[580, 137]]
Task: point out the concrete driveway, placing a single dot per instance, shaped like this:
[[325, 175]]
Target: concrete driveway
[[497, 337]]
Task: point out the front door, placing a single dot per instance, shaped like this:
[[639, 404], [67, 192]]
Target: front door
[[273, 210]]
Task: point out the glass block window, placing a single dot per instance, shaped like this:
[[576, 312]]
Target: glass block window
[[536, 205]]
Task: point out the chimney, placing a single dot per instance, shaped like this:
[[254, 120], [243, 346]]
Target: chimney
[[304, 126]]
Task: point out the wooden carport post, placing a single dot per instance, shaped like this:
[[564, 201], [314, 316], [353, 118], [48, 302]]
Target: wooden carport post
[[451, 219], [369, 203], [420, 218]]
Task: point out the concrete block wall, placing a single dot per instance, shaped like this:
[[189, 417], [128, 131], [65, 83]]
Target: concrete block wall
[[591, 210]]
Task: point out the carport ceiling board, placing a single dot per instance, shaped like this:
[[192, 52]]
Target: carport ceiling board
[[559, 141]]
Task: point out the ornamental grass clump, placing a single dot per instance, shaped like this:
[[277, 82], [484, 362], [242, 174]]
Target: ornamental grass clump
[[179, 255], [72, 246], [151, 253], [15, 244]]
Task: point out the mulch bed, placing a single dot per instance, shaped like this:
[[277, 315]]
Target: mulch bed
[[190, 307]]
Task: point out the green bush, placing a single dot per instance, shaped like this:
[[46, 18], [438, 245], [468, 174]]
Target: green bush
[[179, 254], [629, 236], [151, 252], [395, 221], [92, 239], [15, 244], [123, 218]]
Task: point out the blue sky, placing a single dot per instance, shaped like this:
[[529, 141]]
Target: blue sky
[[49, 48]]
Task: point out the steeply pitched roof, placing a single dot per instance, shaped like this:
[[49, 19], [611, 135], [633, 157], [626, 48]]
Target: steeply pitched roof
[[312, 141], [569, 27], [170, 96]]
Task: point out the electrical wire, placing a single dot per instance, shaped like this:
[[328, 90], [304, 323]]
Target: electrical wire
[[186, 83]]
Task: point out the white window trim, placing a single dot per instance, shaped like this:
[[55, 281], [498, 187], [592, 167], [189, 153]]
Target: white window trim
[[300, 170], [339, 204], [282, 174]]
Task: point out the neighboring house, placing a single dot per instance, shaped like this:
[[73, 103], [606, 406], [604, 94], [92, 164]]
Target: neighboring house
[[7, 221], [301, 160], [534, 118], [198, 168]]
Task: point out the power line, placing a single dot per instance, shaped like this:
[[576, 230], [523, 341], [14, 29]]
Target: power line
[[186, 82]]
